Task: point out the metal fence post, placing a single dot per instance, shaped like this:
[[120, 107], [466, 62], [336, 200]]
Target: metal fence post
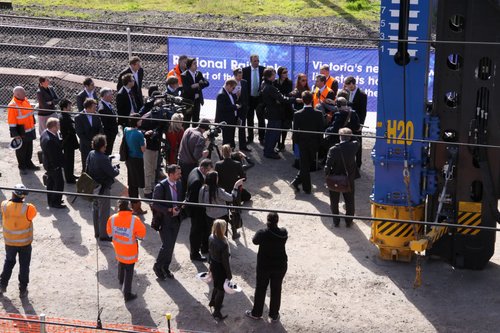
[[129, 44], [42, 325], [292, 70]]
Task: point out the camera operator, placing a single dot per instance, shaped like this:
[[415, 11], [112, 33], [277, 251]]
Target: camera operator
[[153, 132], [192, 149]]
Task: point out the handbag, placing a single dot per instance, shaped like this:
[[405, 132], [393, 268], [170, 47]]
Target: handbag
[[339, 183], [123, 149], [86, 185]]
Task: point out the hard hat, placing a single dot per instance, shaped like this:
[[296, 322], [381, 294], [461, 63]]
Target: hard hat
[[231, 287], [204, 276], [16, 143], [20, 190]]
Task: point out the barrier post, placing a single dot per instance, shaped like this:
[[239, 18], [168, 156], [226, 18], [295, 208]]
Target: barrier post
[[42, 325], [129, 44]]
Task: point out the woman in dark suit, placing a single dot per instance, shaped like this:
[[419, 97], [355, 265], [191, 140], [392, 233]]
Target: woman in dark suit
[[47, 101], [69, 141], [135, 161], [219, 266], [285, 86]]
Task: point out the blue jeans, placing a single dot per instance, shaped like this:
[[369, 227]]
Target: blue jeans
[[24, 265], [272, 137]]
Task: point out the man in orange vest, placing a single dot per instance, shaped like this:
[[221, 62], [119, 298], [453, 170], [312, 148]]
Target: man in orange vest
[[322, 94], [17, 217], [331, 82], [22, 126], [125, 229], [179, 69]]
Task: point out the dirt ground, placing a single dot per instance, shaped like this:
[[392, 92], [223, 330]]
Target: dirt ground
[[335, 280]]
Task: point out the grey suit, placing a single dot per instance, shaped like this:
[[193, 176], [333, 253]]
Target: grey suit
[[86, 132], [335, 165]]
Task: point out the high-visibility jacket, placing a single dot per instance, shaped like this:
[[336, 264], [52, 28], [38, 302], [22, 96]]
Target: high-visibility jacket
[[17, 222], [176, 72], [329, 81], [125, 228], [18, 117], [319, 98]]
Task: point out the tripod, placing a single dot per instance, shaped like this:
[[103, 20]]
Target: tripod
[[211, 148]]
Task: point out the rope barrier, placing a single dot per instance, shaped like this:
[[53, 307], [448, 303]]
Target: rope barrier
[[268, 210], [368, 136]]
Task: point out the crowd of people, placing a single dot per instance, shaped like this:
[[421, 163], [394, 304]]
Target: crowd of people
[[189, 176]]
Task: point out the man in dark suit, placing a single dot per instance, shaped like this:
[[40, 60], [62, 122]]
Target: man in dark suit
[[227, 110], [199, 233], [242, 98], [53, 161], [230, 169], [358, 100], [125, 101], [87, 126], [341, 159], [109, 124], [253, 74], [193, 84], [138, 74], [87, 92], [307, 119], [169, 216], [69, 140]]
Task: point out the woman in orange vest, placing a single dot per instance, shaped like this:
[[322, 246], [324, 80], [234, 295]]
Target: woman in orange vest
[[125, 228], [17, 217], [22, 126]]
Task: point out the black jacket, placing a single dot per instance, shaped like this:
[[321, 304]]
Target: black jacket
[[51, 145], [335, 165], [86, 132], [273, 101], [359, 105], [272, 253], [187, 81], [285, 88], [308, 119], [225, 110], [219, 252], [82, 96], [229, 172], [68, 132], [124, 106], [243, 100], [162, 192], [47, 99], [100, 169], [109, 124], [137, 88], [247, 76], [342, 118]]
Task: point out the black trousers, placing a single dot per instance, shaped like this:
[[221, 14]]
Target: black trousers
[[24, 265], [69, 162], [168, 236], [307, 157], [186, 169], [110, 140], [360, 151], [125, 276], [228, 136], [242, 139], [252, 110], [218, 277], [266, 276], [55, 182], [194, 115], [349, 203], [24, 154], [198, 231]]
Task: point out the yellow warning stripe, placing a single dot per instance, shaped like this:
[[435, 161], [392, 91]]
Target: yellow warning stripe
[[469, 219], [395, 229]]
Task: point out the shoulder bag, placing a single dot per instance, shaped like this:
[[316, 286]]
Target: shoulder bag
[[339, 183]]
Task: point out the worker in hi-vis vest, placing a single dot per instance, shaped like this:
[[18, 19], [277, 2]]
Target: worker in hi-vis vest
[[17, 220], [125, 228]]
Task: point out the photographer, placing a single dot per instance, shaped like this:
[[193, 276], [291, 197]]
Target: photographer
[[192, 149], [102, 172], [153, 133]]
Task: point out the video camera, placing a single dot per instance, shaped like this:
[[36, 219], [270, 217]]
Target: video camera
[[215, 130]]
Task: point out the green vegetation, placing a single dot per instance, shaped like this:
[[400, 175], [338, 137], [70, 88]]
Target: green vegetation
[[357, 9]]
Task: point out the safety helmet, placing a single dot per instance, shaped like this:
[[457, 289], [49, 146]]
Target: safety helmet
[[204, 276], [20, 190], [231, 287], [16, 143]]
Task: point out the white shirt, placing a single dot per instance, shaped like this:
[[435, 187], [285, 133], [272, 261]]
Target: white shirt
[[136, 75], [352, 94], [132, 110], [193, 74], [90, 94]]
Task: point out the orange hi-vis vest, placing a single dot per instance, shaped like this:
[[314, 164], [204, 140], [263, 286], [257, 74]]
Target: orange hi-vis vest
[[176, 72], [320, 98], [20, 112], [17, 222], [125, 228], [330, 81]]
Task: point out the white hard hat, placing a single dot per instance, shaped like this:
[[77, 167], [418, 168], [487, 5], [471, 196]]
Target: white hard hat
[[20, 190], [16, 143], [204, 276], [231, 287]]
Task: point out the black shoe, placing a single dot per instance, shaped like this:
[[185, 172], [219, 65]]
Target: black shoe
[[59, 206], [261, 143], [275, 319], [33, 167], [307, 192], [219, 316], [245, 149], [249, 314], [273, 156], [295, 186], [23, 171], [169, 274], [197, 258], [148, 195], [336, 223], [236, 235], [130, 297], [23, 293], [3, 290], [159, 272], [348, 224], [106, 239], [249, 140]]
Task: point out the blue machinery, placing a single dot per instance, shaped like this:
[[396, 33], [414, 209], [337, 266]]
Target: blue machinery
[[442, 182]]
